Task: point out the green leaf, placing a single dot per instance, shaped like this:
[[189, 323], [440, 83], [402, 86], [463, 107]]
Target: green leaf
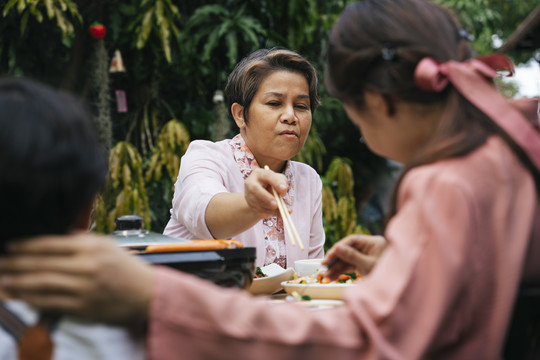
[[21, 6], [164, 31], [253, 24], [37, 14], [72, 7], [60, 21], [8, 6], [210, 45], [158, 12], [232, 48], [174, 10], [24, 21], [146, 27], [144, 3], [174, 29], [63, 5], [247, 32], [50, 8], [208, 10]]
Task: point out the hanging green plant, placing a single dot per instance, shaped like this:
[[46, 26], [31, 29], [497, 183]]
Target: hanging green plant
[[172, 143], [340, 217], [125, 191]]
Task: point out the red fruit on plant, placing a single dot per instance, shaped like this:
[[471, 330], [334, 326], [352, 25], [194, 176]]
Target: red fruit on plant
[[97, 30]]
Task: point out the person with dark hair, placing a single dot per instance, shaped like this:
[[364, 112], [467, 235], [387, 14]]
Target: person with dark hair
[[51, 164], [223, 190], [52, 167], [463, 231]]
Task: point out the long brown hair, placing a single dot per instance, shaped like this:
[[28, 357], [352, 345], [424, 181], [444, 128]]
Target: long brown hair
[[375, 45]]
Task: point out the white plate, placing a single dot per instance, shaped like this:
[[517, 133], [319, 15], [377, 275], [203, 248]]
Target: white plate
[[313, 304], [271, 283], [317, 291]]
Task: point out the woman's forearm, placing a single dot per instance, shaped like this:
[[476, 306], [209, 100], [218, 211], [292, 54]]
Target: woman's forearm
[[228, 214]]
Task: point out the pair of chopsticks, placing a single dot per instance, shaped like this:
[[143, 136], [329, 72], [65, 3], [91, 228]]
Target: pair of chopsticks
[[287, 221]]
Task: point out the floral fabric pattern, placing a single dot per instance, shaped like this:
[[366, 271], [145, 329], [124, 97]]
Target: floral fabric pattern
[[274, 236]]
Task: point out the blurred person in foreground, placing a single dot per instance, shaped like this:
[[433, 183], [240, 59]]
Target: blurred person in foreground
[[223, 190], [463, 232], [52, 167]]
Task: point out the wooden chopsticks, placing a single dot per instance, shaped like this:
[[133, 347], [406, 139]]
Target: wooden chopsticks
[[287, 221]]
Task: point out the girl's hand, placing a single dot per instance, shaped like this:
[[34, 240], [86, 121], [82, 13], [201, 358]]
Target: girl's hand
[[354, 253]]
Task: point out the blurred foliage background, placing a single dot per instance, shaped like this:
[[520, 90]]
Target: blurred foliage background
[[177, 55]]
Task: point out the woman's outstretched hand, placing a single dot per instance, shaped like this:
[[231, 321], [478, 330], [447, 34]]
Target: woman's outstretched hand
[[258, 191], [229, 214], [83, 274], [354, 253]]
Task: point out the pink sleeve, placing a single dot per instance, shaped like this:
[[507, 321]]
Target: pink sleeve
[[202, 321], [317, 235], [201, 177]]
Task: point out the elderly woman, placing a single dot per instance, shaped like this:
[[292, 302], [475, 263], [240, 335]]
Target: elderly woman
[[223, 191]]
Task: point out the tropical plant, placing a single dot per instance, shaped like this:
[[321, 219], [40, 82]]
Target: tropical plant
[[55, 9], [339, 205], [158, 17], [125, 191], [172, 143], [224, 29], [162, 168]]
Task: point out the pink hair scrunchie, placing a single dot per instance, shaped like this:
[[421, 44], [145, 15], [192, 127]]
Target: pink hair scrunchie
[[429, 75]]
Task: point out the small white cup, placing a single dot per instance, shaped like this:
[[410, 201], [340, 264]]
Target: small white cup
[[308, 267]]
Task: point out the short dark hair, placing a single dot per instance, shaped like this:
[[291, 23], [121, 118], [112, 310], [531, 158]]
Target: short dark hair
[[52, 164], [246, 77]]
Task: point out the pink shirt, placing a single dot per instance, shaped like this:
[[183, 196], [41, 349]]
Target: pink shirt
[[209, 168], [443, 289]]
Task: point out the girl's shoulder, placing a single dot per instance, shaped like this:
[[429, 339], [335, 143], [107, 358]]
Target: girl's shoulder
[[491, 165]]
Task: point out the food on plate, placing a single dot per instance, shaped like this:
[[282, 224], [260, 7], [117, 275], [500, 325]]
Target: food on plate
[[259, 273], [346, 278], [295, 296], [195, 245]]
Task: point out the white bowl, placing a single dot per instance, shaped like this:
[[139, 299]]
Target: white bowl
[[272, 282], [317, 291], [308, 267]]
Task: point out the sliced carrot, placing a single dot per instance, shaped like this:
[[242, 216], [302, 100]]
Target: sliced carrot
[[195, 245], [343, 277]]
